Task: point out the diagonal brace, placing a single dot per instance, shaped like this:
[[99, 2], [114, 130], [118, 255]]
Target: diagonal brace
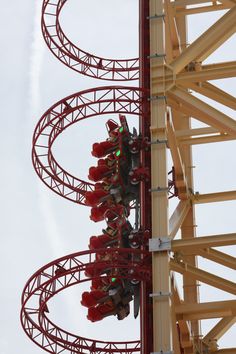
[[208, 42]]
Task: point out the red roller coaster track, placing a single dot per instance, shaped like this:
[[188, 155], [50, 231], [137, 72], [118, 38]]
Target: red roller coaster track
[[76, 58], [168, 69], [69, 271], [68, 111]]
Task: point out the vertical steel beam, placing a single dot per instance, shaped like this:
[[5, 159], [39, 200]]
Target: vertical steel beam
[[182, 122], [162, 319], [145, 200]]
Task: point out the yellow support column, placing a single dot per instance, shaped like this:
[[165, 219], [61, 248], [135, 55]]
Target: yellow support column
[[162, 318]]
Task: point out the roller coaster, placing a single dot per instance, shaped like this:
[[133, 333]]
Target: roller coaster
[[135, 258]]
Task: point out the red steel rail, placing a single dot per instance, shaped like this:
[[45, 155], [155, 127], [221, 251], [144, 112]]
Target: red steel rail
[[78, 59], [48, 281], [68, 111], [145, 197], [68, 271]]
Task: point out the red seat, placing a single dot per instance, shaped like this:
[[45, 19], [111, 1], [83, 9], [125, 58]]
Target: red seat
[[99, 172], [94, 269], [101, 241], [99, 283], [99, 312], [104, 148], [97, 213], [95, 197], [91, 298]]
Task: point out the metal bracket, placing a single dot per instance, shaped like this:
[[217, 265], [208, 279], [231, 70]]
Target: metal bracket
[[153, 98], [160, 294], [159, 142], [159, 189], [156, 55], [162, 352], [159, 244], [156, 17]]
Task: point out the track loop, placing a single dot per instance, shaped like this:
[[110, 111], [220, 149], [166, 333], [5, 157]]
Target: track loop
[[69, 271], [68, 111], [76, 58]]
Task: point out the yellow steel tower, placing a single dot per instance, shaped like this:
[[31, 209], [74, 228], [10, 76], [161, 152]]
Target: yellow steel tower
[[177, 72]]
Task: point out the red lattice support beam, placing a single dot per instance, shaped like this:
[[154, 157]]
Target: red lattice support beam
[[76, 58], [69, 271], [68, 111]]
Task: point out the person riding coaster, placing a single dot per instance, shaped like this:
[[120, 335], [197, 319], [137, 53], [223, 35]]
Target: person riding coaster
[[116, 133], [119, 238], [114, 192], [99, 312], [112, 301], [108, 211]]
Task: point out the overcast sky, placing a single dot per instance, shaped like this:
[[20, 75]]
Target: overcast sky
[[38, 226]]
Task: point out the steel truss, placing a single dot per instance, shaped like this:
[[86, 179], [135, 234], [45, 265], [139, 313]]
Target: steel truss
[[76, 58], [175, 69], [68, 111], [68, 271]]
